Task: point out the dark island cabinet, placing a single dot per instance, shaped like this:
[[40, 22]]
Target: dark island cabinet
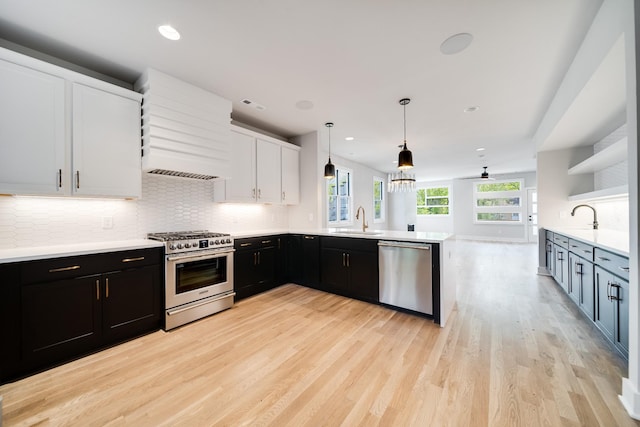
[[349, 267], [255, 265], [67, 307], [10, 318]]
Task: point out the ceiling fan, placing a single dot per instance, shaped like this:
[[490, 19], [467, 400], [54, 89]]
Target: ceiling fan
[[483, 176]]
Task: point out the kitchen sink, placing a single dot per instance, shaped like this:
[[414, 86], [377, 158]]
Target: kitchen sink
[[357, 232]]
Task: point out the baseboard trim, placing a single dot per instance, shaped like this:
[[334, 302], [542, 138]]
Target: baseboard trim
[[494, 239], [630, 398], [542, 271]]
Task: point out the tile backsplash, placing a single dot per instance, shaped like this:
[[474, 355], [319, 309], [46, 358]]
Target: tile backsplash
[[167, 204]]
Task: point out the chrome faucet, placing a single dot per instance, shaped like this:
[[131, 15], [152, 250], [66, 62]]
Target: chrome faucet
[[595, 214], [364, 224]]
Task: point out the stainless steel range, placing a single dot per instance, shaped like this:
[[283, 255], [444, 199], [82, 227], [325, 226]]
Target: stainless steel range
[[198, 275]]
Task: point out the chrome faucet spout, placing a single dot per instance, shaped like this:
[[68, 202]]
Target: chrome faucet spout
[[595, 214], [364, 223]]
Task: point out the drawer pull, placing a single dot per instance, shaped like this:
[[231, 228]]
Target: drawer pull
[[264, 242], [309, 237], [586, 251], [242, 245], [140, 258], [574, 246], [625, 269], [603, 258], [56, 270]]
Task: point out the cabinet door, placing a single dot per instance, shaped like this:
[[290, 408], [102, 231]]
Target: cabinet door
[[60, 319], [621, 293], [586, 282], [290, 176], [131, 302], [106, 144], [268, 171], [241, 186], [605, 313], [244, 272], [311, 261], [561, 267], [10, 320], [574, 277], [295, 259], [333, 269], [32, 132], [363, 275], [549, 256], [266, 268]]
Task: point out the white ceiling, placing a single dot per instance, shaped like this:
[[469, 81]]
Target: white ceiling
[[353, 59]]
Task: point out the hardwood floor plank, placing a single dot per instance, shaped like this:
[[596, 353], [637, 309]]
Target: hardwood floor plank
[[516, 351]]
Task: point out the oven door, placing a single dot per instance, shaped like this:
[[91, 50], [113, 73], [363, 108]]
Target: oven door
[[194, 277]]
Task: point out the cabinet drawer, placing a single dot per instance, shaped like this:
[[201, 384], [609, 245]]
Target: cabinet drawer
[[51, 269], [549, 235], [613, 263], [255, 243], [581, 249], [561, 240], [122, 260], [348, 243]]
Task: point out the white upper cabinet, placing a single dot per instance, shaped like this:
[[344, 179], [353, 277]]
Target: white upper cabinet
[[290, 175], [257, 170], [32, 131], [64, 133], [268, 171], [106, 144]]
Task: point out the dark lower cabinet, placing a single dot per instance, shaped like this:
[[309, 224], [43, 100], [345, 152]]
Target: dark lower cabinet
[[255, 266], [350, 267], [612, 308], [60, 318], [581, 285], [561, 266], [62, 308], [304, 260], [131, 302]]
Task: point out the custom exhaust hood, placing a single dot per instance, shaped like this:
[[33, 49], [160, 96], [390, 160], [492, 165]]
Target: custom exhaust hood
[[186, 131]]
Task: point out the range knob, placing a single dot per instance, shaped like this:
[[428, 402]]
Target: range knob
[[217, 242], [172, 246], [180, 246], [187, 245], [211, 242], [228, 240]]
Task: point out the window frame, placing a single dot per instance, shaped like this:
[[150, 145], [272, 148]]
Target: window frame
[[426, 205], [381, 182], [349, 215], [519, 209]]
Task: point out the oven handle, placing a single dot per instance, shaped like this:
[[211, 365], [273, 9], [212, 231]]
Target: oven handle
[[205, 302], [209, 255]]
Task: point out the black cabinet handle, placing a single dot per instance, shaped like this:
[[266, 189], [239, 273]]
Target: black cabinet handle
[[77, 179], [59, 178], [625, 269], [603, 258]]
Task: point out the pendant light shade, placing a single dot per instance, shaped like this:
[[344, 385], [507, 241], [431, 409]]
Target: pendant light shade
[[329, 168], [405, 158]]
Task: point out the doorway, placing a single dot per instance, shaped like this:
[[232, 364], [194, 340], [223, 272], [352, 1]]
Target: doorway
[[532, 215]]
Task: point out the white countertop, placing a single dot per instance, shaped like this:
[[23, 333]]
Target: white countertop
[[610, 240], [406, 236], [43, 252]]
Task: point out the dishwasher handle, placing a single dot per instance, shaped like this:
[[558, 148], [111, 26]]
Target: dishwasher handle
[[408, 245]]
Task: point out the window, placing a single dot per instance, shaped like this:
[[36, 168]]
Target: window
[[433, 201], [339, 201], [498, 202], [378, 202]]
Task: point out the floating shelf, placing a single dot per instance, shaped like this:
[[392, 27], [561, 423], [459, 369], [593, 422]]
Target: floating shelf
[[607, 193], [615, 153]]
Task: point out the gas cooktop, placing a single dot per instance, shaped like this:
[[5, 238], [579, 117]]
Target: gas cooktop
[[186, 241]]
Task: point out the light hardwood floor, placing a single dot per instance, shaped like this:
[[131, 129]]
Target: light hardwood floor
[[515, 352]]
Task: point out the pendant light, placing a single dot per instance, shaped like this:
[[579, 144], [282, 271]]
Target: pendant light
[[405, 158], [329, 168]]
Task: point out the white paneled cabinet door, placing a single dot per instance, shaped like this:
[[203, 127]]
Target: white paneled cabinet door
[[268, 171], [241, 186], [106, 144], [32, 131], [290, 176]]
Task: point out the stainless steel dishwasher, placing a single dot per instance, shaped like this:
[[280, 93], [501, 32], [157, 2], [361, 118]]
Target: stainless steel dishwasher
[[405, 275]]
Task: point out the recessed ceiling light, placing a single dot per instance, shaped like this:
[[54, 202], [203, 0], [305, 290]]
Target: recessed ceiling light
[[349, 138], [456, 43], [471, 109], [169, 32], [480, 149]]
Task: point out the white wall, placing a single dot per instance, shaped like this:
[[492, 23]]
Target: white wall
[[309, 213]]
